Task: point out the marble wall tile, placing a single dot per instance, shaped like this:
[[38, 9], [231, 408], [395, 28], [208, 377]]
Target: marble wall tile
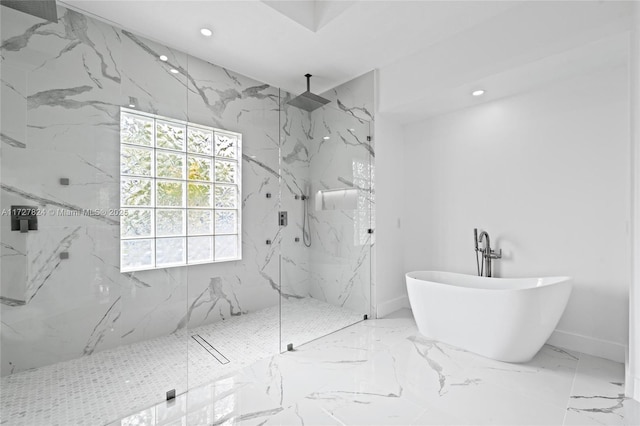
[[341, 157], [327, 150], [355, 97], [62, 88], [295, 165], [150, 81], [13, 122], [65, 83]]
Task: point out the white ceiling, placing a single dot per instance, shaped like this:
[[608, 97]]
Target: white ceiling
[[429, 52], [313, 14], [518, 50], [255, 39]]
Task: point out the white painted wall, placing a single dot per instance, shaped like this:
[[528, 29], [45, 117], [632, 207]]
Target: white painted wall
[[633, 365], [391, 292], [547, 174]]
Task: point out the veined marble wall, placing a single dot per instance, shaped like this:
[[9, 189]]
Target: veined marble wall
[[332, 153], [295, 138], [62, 87], [341, 258], [338, 268], [356, 97]]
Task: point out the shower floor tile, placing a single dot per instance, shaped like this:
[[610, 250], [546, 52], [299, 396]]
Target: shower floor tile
[[97, 389]]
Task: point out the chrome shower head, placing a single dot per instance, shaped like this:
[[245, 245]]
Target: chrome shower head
[[45, 9]]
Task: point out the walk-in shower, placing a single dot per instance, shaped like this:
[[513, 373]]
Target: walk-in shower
[[128, 149]]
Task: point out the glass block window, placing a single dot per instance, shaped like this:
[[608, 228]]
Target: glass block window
[[180, 193], [363, 179]]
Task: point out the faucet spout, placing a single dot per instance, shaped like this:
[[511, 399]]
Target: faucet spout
[[483, 235]]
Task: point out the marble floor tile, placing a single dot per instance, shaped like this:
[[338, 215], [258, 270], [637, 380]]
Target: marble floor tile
[[385, 390], [371, 406], [433, 417], [109, 384], [490, 404], [304, 413], [597, 397], [224, 402], [382, 372], [285, 378]]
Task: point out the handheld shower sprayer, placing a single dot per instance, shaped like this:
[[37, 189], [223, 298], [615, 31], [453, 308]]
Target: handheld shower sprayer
[[306, 224], [475, 237], [475, 240]]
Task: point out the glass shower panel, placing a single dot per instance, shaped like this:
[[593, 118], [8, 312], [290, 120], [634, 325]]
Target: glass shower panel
[[82, 341], [326, 246], [233, 314]]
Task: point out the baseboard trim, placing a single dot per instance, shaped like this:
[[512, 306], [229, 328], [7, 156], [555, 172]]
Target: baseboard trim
[[633, 391], [389, 306], [588, 345]]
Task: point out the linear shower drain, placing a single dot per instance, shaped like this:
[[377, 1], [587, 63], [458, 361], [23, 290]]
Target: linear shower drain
[[209, 348]]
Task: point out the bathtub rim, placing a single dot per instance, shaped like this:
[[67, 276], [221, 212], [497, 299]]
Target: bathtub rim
[[553, 280]]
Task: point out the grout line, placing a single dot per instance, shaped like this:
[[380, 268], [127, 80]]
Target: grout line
[[573, 384], [332, 416]]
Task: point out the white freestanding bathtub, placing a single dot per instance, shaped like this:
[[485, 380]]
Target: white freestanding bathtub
[[508, 319]]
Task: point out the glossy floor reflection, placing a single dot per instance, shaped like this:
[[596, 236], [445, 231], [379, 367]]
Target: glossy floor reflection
[[96, 389], [381, 372]]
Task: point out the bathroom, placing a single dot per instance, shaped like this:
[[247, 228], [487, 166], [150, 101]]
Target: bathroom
[[260, 275]]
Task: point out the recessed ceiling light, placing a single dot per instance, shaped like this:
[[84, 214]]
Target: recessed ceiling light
[[174, 71], [163, 58], [478, 92], [326, 138], [206, 32], [132, 106]]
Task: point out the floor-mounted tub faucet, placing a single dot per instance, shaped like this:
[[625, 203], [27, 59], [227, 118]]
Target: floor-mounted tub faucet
[[487, 253]]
